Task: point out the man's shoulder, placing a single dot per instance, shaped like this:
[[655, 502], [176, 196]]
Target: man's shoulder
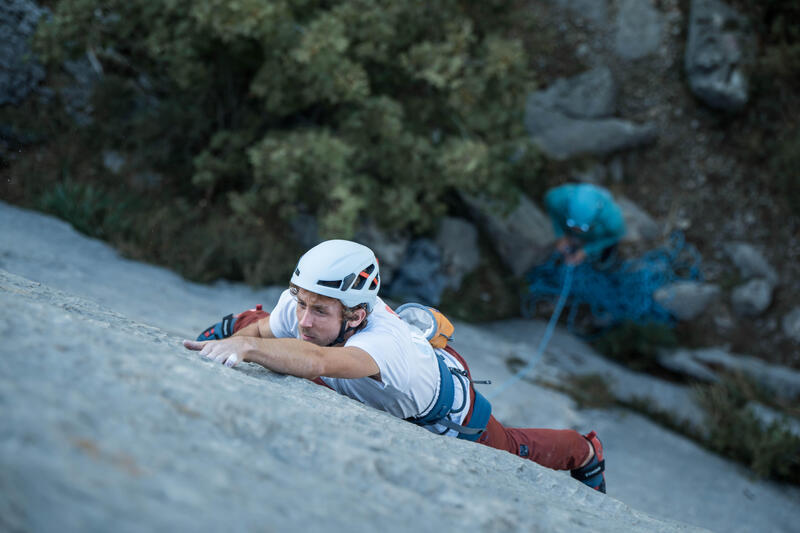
[[383, 317]]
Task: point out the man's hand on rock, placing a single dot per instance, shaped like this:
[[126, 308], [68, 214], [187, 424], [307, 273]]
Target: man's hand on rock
[[228, 352]]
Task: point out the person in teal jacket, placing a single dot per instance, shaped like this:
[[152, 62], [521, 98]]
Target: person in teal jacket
[[587, 223]]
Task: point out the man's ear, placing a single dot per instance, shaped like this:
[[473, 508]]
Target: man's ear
[[360, 315]]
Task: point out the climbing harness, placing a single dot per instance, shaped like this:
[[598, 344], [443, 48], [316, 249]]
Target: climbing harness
[[548, 333], [443, 406], [438, 331]]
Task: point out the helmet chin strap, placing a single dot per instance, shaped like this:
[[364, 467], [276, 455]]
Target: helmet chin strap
[[344, 330]]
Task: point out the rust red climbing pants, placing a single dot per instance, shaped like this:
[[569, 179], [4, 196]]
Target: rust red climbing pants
[[559, 449]]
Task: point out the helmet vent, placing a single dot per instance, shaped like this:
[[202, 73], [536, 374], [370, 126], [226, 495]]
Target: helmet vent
[[331, 284], [362, 277], [347, 281]]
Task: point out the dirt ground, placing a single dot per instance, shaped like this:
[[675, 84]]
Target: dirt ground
[[706, 175]]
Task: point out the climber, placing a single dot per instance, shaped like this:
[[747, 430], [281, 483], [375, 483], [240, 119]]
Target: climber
[[587, 223], [330, 326]]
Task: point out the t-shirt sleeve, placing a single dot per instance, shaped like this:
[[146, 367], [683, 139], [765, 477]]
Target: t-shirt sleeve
[[283, 319], [387, 353]]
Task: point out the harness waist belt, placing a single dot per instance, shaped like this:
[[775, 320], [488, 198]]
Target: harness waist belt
[[481, 410]]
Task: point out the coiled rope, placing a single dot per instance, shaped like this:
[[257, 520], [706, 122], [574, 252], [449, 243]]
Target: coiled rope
[[623, 293]]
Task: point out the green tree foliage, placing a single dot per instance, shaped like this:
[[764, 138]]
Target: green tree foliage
[[340, 109]]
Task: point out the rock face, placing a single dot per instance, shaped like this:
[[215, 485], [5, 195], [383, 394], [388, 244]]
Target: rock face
[[639, 28], [686, 300], [119, 425], [639, 225], [750, 262], [420, 277], [106, 420], [458, 241], [20, 73], [717, 51], [791, 324], [390, 249], [708, 364], [521, 238], [752, 298], [574, 117]]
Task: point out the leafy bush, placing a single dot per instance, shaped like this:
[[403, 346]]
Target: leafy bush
[[90, 209], [344, 110]]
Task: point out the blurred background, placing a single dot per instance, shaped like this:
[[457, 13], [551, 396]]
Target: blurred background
[[222, 138]]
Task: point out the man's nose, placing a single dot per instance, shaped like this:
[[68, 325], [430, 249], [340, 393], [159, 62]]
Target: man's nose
[[305, 318]]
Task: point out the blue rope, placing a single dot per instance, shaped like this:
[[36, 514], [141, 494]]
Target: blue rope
[[620, 294], [548, 332]]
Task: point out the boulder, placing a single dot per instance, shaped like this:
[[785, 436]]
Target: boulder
[[591, 94], [718, 48], [639, 29], [639, 225], [522, 238], [561, 138], [791, 324], [573, 117], [750, 262], [686, 300], [709, 364], [390, 248], [752, 298], [457, 239], [420, 278], [20, 73]]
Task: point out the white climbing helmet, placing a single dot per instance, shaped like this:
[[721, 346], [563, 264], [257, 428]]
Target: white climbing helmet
[[344, 270]]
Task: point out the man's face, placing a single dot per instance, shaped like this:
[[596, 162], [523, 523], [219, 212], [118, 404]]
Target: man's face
[[319, 318]]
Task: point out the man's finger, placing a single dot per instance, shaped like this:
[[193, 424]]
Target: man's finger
[[194, 345]]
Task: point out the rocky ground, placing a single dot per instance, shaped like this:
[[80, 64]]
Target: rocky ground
[[107, 419], [705, 174]]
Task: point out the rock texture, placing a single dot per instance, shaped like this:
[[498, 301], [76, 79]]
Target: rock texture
[[20, 72], [521, 238], [107, 420], [686, 300], [574, 117], [717, 50], [639, 28]]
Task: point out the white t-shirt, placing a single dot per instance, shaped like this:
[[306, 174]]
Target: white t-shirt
[[407, 362]]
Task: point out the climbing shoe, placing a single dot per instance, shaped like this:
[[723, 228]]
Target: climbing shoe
[[592, 473], [220, 330]]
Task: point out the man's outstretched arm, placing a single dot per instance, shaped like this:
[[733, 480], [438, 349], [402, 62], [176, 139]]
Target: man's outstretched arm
[[289, 356]]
